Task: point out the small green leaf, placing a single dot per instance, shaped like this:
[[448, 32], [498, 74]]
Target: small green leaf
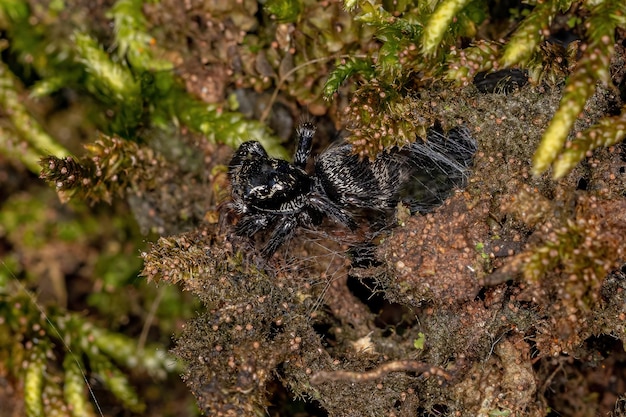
[[419, 342], [345, 71], [499, 413]]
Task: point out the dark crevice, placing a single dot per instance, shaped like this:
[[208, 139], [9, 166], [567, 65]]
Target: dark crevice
[[282, 403], [393, 317]]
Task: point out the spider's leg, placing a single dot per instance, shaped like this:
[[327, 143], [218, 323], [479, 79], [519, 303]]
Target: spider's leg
[[251, 224], [333, 211], [305, 133], [283, 231]]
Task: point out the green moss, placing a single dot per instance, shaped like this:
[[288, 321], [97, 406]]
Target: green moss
[[400, 68], [283, 10], [422, 41]]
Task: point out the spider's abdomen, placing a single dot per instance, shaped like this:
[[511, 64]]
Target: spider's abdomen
[[349, 181], [422, 174]]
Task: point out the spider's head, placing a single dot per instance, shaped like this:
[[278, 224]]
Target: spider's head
[[248, 152], [244, 168], [246, 163], [262, 183]]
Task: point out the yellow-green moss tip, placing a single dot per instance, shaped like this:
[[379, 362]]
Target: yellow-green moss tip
[[108, 76], [30, 137], [439, 23], [115, 380], [593, 66], [529, 34], [555, 135], [74, 389], [132, 38], [34, 383], [606, 132]]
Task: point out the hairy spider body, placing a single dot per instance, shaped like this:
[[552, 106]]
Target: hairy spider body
[[273, 194], [351, 181]]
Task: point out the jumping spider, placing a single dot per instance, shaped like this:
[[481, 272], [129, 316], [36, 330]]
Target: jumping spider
[[278, 196]]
